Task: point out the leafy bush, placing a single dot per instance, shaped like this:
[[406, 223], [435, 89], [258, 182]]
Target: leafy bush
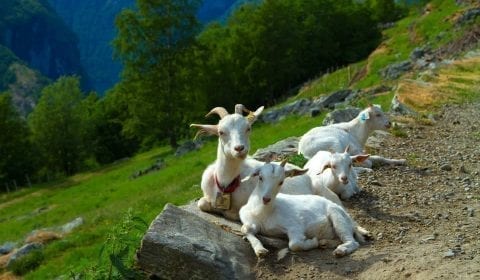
[[27, 263]]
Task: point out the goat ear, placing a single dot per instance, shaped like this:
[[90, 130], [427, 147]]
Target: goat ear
[[295, 172], [255, 173], [205, 129], [253, 116], [359, 158], [327, 165], [347, 149]]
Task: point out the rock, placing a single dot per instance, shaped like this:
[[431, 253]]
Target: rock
[[400, 108], [334, 98], [341, 115], [42, 236], [232, 226], [417, 53], [462, 169], [315, 112], [446, 167], [468, 16], [394, 71], [24, 250], [181, 245], [281, 149], [448, 254], [69, 227], [187, 147], [7, 247]]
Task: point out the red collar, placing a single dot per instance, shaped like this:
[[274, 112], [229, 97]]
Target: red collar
[[231, 187]]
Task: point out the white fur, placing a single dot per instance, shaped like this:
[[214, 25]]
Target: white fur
[[230, 163], [309, 221], [233, 131], [335, 172], [337, 137]]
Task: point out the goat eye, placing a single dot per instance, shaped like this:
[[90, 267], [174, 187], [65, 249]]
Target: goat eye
[[221, 133], [260, 178], [334, 166]]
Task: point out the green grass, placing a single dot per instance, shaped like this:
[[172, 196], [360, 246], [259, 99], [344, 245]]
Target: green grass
[[330, 82], [103, 197]]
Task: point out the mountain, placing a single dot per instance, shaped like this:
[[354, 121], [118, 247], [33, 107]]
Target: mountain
[[93, 22], [35, 34]]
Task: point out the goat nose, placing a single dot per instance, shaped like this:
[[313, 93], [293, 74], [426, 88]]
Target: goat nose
[[266, 200], [344, 179], [239, 148]]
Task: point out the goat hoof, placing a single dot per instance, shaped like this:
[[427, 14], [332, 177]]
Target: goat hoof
[[204, 205], [261, 252], [340, 252]]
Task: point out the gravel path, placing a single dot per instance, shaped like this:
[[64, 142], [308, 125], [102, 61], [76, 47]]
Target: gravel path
[[425, 217]]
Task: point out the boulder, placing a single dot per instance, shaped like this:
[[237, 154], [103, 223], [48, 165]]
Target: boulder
[[334, 98], [182, 245], [188, 147], [468, 16], [281, 149], [394, 71], [70, 226], [341, 115], [23, 251], [400, 108], [42, 236], [7, 247]]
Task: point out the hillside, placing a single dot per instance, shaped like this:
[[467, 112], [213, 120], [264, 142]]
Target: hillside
[[36, 35], [94, 25], [423, 216]]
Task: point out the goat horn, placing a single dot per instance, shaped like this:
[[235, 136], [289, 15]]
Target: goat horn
[[220, 111], [283, 163], [347, 148], [239, 109]]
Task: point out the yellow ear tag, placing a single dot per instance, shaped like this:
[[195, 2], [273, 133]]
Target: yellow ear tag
[[251, 117]]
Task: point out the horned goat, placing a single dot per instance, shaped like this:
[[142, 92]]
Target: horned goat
[[221, 180], [337, 137], [309, 221]]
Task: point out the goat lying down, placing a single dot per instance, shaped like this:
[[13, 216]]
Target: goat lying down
[[223, 192], [337, 137], [309, 221], [335, 172]]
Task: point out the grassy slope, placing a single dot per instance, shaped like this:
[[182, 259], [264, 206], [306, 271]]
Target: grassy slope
[[102, 197]]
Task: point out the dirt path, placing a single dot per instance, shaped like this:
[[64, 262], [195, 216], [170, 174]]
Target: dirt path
[[425, 217]]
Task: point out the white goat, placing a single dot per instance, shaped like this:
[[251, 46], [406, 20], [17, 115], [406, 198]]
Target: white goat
[[303, 184], [309, 221], [337, 137], [334, 171], [222, 190]]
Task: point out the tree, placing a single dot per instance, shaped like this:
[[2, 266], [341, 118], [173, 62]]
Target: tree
[[109, 141], [156, 45], [58, 126], [15, 152]]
